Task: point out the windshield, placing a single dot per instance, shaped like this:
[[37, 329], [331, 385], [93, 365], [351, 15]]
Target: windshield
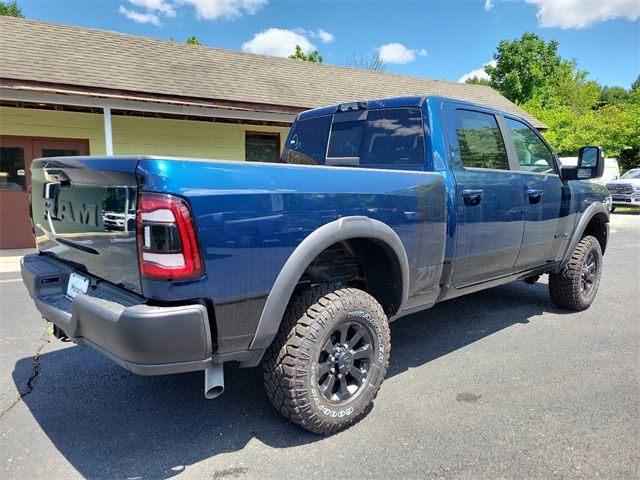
[[632, 174]]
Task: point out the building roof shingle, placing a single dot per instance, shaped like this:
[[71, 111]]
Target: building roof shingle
[[35, 51]]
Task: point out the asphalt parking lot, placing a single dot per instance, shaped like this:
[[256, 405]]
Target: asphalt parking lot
[[498, 384]]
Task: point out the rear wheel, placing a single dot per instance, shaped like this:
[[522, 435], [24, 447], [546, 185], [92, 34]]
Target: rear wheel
[[327, 363], [576, 285]]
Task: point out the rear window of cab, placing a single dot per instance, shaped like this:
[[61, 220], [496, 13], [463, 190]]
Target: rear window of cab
[[372, 138]]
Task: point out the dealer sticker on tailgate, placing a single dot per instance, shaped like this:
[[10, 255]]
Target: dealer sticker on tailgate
[[77, 284]]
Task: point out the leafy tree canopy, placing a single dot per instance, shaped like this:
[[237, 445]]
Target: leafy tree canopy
[[193, 41], [313, 57], [10, 9], [530, 72], [527, 67], [613, 95], [478, 81]]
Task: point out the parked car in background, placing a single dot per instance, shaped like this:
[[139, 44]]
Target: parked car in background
[[120, 220], [626, 191], [611, 169]]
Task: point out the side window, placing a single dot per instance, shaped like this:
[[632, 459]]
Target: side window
[[533, 154], [379, 138], [480, 141], [307, 141]]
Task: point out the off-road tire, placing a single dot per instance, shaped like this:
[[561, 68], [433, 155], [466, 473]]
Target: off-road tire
[[292, 363], [566, 286]]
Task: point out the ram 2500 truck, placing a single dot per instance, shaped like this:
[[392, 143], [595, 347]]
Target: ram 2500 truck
[[376, 210]]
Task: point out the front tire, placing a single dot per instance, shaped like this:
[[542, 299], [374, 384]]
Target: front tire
[[575, 286], [328, 361]]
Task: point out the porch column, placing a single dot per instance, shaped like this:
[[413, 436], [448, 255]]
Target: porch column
[[108, 137]]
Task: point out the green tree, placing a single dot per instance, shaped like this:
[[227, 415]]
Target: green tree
[[478, 81], [10, 9], [530, 72], [193, 41], [572, 89], [526, 67], [613, 95], [313, 57]]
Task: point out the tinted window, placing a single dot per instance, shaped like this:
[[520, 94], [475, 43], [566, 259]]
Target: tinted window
[[533, 154], [307, 142], [261, 147], [12, 169], [380, 137], [57, 152], [632, 174], [480, 141]]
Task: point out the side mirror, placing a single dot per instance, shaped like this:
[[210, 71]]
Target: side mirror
[[590, 165]]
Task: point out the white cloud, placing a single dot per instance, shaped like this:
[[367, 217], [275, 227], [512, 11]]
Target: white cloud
[[214, 9], [320, 34], [488, 4], [479, 73], [399, 54], [278, 42], [160, 6], [140, 17], [325, 37], [582, 13], [154, 10]]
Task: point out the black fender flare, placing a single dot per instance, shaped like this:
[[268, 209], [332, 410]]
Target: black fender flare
[[591, 211], [342, 229]]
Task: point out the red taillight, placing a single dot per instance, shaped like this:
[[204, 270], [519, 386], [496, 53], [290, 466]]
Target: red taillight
[[167, 242]]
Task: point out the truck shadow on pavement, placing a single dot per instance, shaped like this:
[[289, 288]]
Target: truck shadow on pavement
[[109, 423]]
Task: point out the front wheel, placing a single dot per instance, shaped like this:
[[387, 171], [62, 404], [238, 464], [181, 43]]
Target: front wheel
[[575, 286], [327, 363]]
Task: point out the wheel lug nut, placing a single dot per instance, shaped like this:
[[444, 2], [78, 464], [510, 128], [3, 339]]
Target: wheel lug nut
[[339, 375], [333, 370], [333, 359]]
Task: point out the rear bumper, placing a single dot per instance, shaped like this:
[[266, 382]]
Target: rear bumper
[[147, 340]]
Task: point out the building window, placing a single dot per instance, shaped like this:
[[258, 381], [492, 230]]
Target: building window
[[261, 147]]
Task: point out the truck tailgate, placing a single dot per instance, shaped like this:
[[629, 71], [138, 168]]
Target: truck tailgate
[[83, 211]]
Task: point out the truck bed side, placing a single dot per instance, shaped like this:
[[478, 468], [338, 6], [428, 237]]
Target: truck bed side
[[251, 217]]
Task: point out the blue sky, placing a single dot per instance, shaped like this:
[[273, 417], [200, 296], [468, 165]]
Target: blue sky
[[434, 39]]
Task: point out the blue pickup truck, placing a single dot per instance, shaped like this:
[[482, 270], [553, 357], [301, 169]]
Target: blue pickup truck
[[376, 209]]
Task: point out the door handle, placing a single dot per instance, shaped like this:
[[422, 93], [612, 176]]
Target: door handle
[[535, 195], [472, 197]]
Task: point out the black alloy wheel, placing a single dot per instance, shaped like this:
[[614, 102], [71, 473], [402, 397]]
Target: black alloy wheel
[[327, 363], [575, 286], [344, 361], [589, 272]]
